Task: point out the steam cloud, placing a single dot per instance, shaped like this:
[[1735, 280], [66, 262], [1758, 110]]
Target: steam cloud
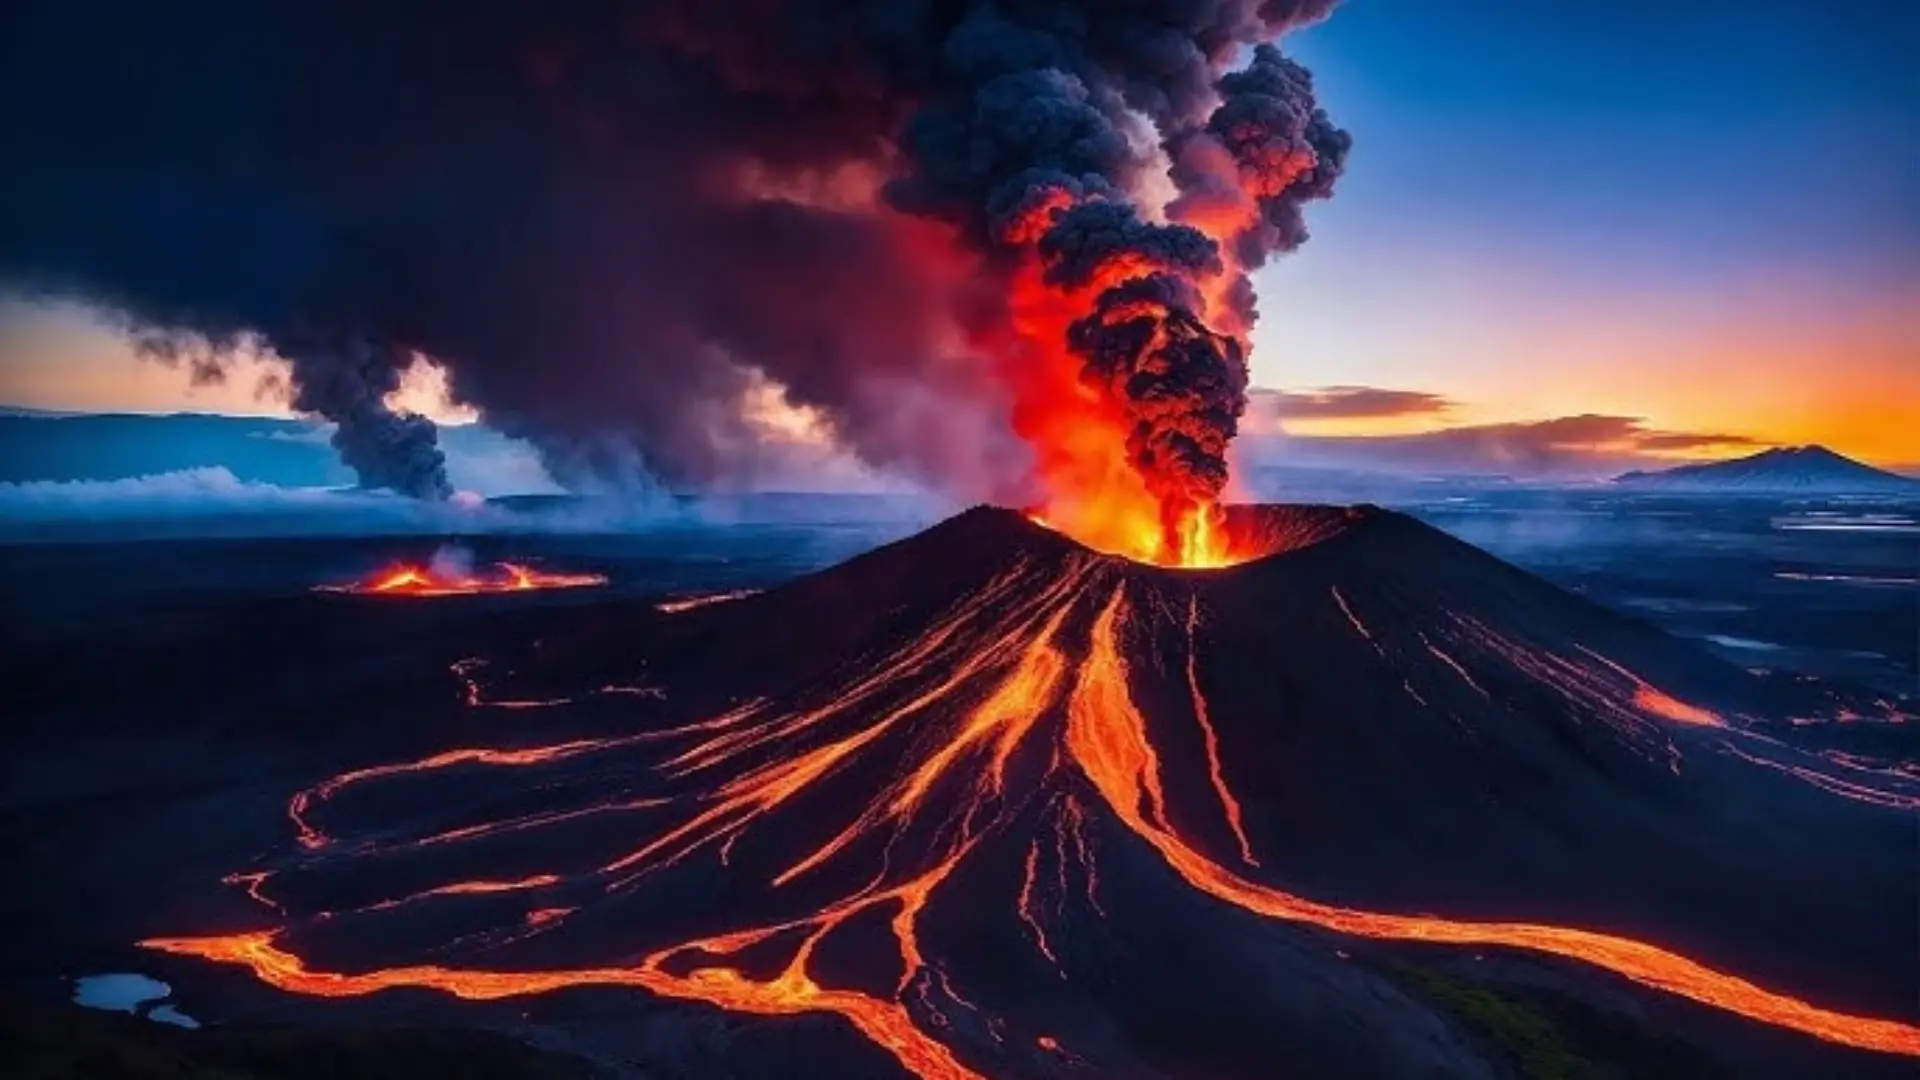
[[611, 221]]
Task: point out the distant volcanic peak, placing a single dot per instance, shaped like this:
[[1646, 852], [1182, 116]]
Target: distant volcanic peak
[[409, 579], [1232, 535], [1785, 468]]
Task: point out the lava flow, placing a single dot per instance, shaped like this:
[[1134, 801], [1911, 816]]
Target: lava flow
[[939, 791], [409, 579]]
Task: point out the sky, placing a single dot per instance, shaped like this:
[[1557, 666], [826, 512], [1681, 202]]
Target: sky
[[1704, 215], [1695, 225]]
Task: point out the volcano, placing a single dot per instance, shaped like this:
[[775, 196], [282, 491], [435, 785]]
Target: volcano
[[1010, 807], [1803, 469]]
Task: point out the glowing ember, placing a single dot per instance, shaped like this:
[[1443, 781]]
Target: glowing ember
[[412, 580], [689, 603]]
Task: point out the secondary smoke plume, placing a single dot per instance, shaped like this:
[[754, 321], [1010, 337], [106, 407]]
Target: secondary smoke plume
[[612, 221]]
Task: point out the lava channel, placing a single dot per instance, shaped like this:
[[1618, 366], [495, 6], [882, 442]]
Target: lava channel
[[851, 807]]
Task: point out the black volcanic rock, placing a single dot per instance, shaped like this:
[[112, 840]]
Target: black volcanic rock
[[1013, 808], [52, 1042], [1806, 469]]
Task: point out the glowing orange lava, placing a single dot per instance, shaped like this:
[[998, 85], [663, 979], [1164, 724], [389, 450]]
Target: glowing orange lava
[[1010, 720], [413, 580], [1094, 488], [1658, 702], [1113, 750], [1117, 523]]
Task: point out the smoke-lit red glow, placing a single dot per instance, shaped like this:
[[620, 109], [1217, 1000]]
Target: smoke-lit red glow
[[1016, 707], [1097, 486], [1117, 523], [409, 579]]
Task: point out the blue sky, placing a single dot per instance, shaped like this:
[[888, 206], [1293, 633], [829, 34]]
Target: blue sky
[[1558, 207]]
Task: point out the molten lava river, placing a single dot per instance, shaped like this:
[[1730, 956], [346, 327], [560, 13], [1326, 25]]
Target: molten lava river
[[937, 812]]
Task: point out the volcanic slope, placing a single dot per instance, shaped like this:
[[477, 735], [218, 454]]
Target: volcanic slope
[[1013, 808]]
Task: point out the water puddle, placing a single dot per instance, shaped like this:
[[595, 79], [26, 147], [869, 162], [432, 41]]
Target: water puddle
[[130, 993]]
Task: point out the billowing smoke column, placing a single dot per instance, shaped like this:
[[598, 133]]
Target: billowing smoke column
[[1038, 147], [348, 383], [998, 246]]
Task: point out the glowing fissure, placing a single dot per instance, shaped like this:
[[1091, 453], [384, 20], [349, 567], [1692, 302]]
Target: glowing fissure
[[689, 603], [471, 694], [1029, 912], [1643, 730], [427, 581], [1908, 799], [255, 881], [1352, 619], [1215, 771], [543, 916], [1016, 698], [301, 805], [1446, 658], [465, 888], [535, 821]]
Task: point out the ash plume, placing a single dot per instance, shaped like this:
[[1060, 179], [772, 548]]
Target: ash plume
[[1183, 387], [612, 222]]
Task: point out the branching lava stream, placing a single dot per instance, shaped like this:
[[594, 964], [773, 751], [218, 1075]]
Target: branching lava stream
[[1021, 696]]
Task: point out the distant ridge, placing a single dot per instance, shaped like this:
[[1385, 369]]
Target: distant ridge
[[1788, 468]]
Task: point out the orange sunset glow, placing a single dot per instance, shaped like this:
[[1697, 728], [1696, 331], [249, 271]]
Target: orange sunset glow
[[1857, 392]]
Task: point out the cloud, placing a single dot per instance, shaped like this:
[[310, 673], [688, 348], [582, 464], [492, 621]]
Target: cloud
[[1683, 440], [212, 502], [211, 490], [1267, 407], [1582, 445], [1590, 433]]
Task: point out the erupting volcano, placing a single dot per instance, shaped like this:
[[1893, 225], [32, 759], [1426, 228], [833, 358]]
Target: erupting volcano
[[1003, 250], [1009, 806], [432, 579], [1027, 794]]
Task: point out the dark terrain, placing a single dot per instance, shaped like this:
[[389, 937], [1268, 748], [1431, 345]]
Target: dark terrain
[[176, 696]]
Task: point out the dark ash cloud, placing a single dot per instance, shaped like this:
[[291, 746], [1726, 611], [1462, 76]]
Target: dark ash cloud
[[611, 221]]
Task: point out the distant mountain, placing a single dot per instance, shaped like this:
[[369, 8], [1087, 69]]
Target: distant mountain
[[1787, 469]]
